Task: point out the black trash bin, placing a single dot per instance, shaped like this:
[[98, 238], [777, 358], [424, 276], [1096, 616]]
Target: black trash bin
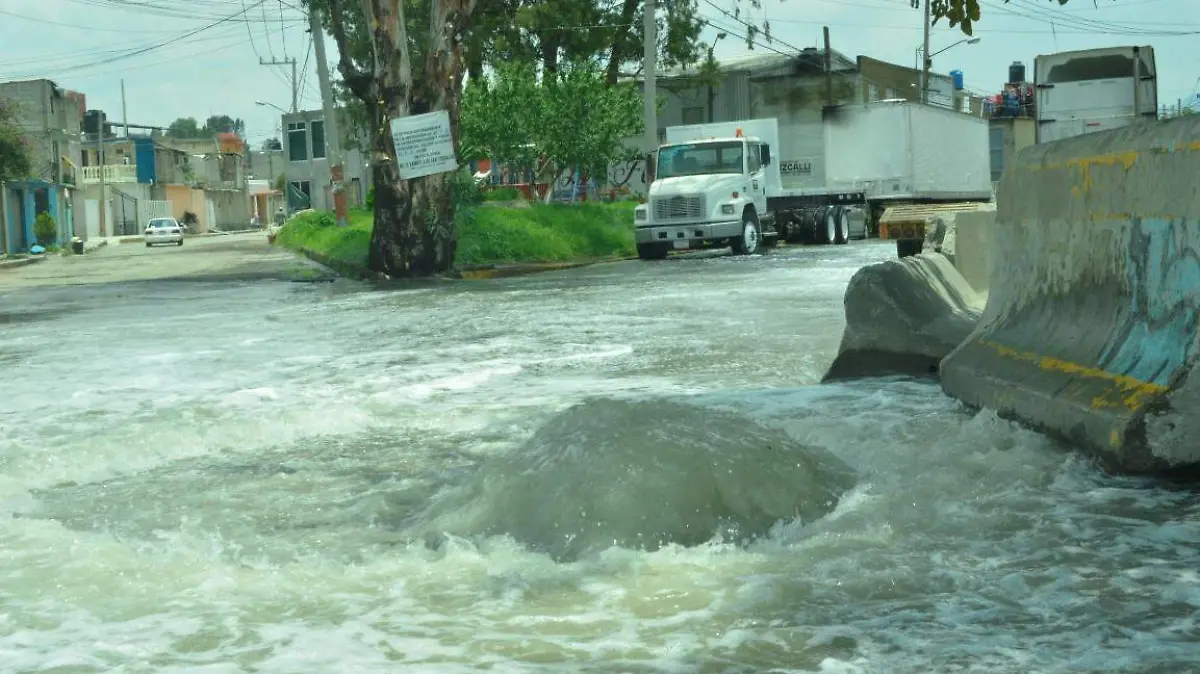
[[77, 247]]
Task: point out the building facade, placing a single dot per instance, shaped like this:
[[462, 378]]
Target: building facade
[[305, 173], [50, 119]]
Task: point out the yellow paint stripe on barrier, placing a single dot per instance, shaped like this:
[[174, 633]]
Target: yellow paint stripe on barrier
[[1125, 390], [1126, 158]]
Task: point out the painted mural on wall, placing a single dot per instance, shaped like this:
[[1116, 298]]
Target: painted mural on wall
[[1162, 269]]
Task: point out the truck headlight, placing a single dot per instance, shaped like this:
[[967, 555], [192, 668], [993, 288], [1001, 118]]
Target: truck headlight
[[639, 213], [727, 209]]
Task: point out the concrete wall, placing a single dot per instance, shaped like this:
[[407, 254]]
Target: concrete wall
[[186, 199], [231, 208], [1090, 331]]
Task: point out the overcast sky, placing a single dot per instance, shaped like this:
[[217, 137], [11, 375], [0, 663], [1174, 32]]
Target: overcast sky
[[199, 57]]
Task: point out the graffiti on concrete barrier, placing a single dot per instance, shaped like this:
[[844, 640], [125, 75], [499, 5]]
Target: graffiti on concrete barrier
[[1162, 267]]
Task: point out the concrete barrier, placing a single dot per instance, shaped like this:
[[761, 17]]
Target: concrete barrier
[[1090, 330], [903, 317]]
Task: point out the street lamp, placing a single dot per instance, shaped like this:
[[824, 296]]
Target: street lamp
[[929, 62], [285, 111], [970, 40]]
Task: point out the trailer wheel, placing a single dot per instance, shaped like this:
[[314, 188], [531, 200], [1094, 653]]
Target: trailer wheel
[[909, 247], [829, 232], [748, 242], [843, 221]]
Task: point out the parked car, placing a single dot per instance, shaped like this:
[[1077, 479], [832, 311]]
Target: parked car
[[164, 230]]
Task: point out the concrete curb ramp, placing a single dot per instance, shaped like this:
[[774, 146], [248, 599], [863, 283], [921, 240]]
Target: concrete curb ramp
[[1090, 330], [903, 316]]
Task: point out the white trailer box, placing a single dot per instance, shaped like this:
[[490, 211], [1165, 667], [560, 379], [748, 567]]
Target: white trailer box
[[906, 150]]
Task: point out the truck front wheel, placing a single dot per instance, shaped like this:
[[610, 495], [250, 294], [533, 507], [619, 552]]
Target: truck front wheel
[[748, 242]]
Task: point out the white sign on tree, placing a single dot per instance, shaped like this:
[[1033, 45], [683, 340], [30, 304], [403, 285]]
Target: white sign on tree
[[424, 145]]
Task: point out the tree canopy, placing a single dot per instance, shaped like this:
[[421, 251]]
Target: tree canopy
[[571, 118], [14, 155], [188, 127]]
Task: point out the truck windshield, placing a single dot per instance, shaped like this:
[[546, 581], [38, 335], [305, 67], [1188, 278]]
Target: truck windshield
[[696, 159]]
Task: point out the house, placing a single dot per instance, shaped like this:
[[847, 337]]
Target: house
[[50, 118], [308, 182], [200, 182], [136, 178]]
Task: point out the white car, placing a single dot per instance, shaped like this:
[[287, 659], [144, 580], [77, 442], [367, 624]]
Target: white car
[[164, 230]]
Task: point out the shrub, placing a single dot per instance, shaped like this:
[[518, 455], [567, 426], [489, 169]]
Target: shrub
[[45, 229]]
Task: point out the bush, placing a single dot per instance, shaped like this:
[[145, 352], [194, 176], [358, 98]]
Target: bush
[[318, 232], [45, 229], [502, 194], [546, 233], [487, 234]]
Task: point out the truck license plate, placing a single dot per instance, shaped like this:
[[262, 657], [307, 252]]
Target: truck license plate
[[682, 243]]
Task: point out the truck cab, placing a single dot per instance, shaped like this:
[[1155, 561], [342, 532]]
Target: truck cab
[[708, 192]]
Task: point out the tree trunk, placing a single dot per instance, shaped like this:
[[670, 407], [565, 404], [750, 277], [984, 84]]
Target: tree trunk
[[618, 55], [414, 233]]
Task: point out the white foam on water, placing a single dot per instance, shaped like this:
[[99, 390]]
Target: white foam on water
[[248, 508]]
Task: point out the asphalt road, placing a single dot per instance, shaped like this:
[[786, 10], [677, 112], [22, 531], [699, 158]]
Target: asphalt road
[[231, 257]]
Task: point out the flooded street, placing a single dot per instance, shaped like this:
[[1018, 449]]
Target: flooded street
[[621, 468]]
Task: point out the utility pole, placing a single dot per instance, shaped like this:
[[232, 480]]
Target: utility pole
[[649, 83], [124, 115], [927, 61], [333, 139], [295, 84], [828, 68], [103, 186]]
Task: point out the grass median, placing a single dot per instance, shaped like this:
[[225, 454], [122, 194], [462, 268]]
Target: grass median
[[489, 234]]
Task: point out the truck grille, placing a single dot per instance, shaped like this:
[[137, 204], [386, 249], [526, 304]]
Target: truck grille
[[679, 208]]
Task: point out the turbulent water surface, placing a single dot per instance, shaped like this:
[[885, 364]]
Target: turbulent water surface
[[618, 469]]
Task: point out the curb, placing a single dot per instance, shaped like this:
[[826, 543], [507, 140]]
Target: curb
[[138, 238], [22, 262], [469, 273], [491, 271]]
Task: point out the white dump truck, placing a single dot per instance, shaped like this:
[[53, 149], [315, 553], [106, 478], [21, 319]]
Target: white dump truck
[[730, 183]]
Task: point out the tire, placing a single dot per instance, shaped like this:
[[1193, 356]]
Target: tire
[[843, 223], [751, 239], [651, 251], [828, 233], [909, 247], [179, 243], [148, 244]]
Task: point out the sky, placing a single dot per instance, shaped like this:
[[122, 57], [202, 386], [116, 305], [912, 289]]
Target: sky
[[195, 58]]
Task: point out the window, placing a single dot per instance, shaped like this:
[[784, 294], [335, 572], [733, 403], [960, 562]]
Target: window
[[694, 115], [996, 140], [318, 139], [297, 141], [872, 93], [754, 159], [299, 195], [699, 159]]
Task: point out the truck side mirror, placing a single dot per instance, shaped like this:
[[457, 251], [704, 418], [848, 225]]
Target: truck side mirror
[[765, 154]]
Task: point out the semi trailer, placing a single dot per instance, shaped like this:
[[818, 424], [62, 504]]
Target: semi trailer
[[738, 183]]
